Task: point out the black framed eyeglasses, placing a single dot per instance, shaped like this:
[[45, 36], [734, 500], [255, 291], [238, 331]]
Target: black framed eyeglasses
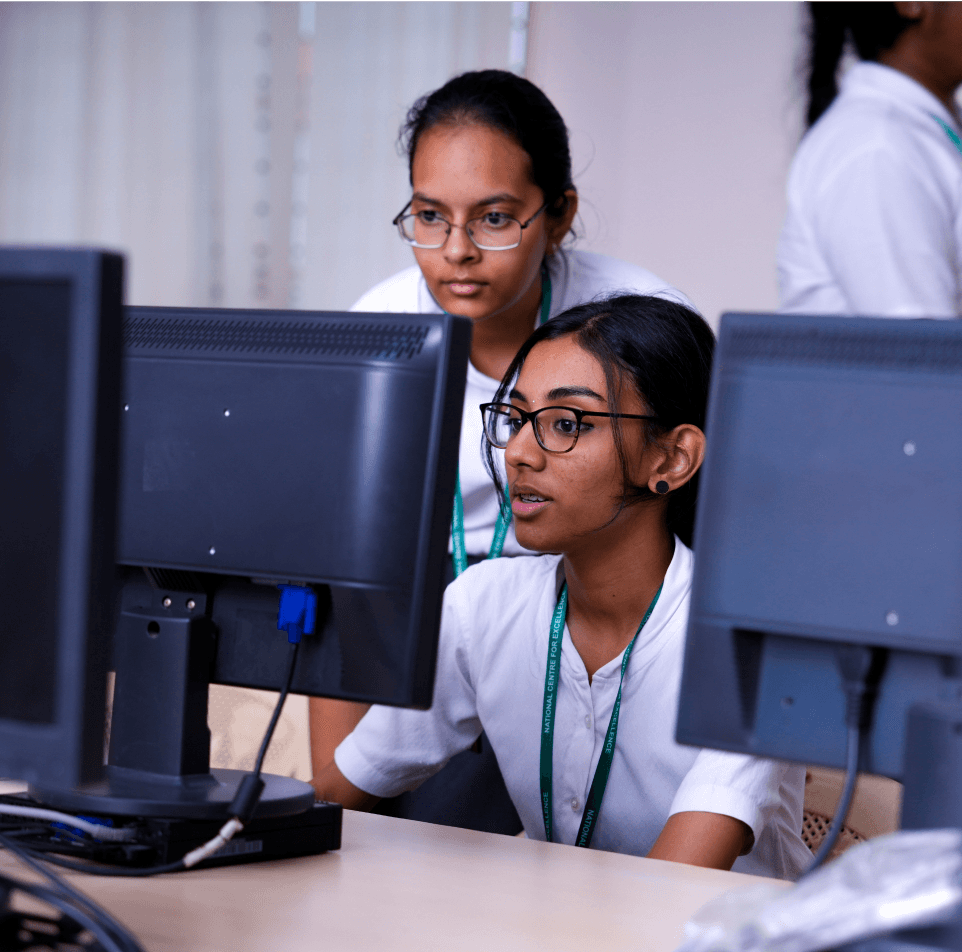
[[493, 231], [555, 428]]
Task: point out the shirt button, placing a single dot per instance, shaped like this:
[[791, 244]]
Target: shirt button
[[575, 804], [588, 721]]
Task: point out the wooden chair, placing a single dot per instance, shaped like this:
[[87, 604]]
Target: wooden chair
[[876, 807], [238, 717]]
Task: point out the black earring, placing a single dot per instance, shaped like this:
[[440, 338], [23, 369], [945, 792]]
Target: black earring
[[661, 487]]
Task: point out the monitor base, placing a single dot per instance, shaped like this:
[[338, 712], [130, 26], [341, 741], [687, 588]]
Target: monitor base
[[134, 793]]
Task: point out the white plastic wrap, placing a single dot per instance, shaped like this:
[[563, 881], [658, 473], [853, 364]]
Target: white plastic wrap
[[893, 882]]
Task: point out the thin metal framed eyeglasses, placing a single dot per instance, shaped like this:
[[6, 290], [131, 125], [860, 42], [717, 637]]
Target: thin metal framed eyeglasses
[[555, 428], [493, 231]]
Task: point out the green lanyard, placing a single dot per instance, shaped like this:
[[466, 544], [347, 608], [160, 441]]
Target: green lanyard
[[949, 131], [459, 552], [552, 676]]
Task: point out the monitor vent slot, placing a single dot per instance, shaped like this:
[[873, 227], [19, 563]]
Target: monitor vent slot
[[176, 580], [387, 341], [882, 350]]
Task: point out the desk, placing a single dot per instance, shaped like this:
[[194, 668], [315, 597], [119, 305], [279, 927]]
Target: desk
[[401, 885]]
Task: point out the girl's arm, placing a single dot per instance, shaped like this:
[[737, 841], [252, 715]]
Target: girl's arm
[[330, 722], [331, 785], [703, 839]]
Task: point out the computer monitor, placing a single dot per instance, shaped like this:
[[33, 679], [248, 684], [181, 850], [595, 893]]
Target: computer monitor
[[830, 514], [263, 448], [60, 387]]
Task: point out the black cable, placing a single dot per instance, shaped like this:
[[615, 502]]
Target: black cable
[[243, 805], [78, 917], [861, 668], [844, 801], [95, 869], [100, 922], [53, 933], [288, 680], [250, 788]]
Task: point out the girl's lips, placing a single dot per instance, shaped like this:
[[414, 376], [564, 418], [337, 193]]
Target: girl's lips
[[463, 288], [524, 507]]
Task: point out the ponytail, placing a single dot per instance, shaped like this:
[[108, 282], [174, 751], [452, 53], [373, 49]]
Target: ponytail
[[871, 27], [826, 41]]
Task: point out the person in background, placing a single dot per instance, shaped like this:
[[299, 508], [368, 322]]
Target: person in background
[[874, 223], [492, 204], [570, 662]]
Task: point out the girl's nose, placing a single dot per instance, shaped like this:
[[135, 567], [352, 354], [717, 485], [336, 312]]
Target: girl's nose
[[459, 247], [523, 449]]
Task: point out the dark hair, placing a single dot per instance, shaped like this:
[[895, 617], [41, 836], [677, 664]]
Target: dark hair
[[871, 27], [514, 106], [664, 350]]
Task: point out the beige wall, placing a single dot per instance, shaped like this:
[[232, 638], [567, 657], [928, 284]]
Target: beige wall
[[683, 120], [239, 154], [169, 131]]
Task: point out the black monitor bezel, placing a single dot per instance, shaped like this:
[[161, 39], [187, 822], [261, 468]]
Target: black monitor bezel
[[70, 749]]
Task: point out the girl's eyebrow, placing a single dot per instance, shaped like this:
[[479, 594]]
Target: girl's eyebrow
[[560, 392], [498, 199], [490, 200]]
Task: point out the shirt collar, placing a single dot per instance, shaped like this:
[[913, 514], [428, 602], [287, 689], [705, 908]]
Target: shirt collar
[[876, 80]]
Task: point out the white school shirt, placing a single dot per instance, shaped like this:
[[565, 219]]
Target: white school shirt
[[491, 674], [874, 223], [576, 278]]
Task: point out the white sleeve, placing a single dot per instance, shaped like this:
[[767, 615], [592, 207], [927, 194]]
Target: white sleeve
[[735, 785], [885, 230], [393, 750], [402, 293]]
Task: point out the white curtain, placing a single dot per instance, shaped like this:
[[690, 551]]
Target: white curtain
[[240, 154]]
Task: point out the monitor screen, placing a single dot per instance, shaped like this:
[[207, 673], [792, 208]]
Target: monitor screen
[[60, 367], [830, 513]]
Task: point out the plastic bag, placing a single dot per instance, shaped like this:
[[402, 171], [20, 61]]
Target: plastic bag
[[897, 881]]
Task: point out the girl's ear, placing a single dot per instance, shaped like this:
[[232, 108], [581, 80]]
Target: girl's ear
[[557, 228], [681, 456], [913, 11]]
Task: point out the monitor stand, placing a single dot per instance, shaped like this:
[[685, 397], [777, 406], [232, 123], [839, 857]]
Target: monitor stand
[[159, 759], [932, 800]]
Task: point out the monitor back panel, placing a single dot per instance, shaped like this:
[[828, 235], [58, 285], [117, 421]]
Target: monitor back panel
[[830, 511], [301, 447]]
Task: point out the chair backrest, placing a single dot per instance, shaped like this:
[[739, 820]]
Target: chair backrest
[[238, 718], [875, 809]]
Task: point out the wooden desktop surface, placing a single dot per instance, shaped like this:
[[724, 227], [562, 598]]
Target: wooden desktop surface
[[401, 885]]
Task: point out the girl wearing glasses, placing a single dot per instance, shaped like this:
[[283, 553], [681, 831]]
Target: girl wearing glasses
[[570, 662], [492, 202]]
